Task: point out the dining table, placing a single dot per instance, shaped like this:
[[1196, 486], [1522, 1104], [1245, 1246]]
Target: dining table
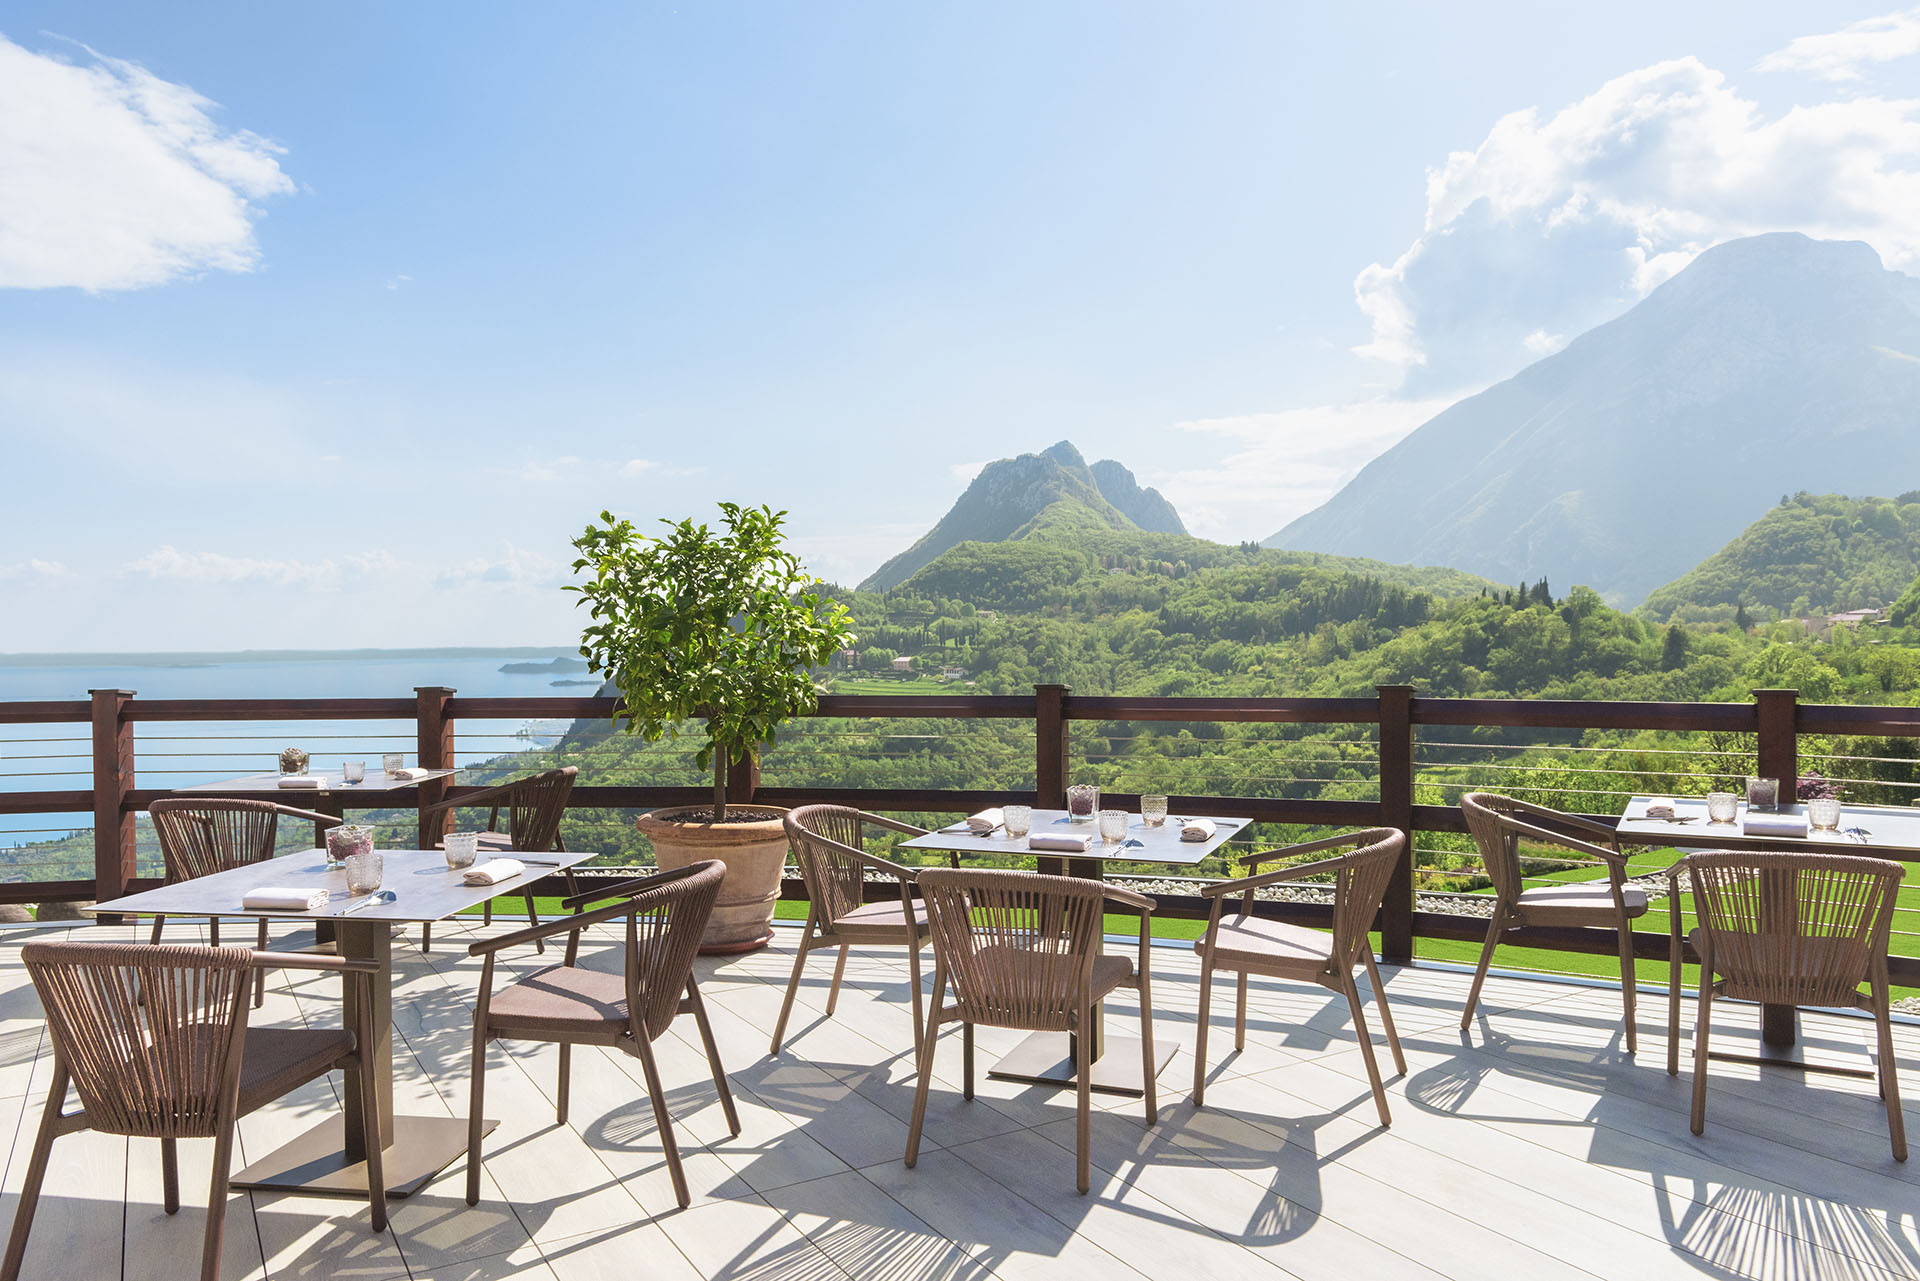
[[417, 886], [329, 798], [1047, 1058]]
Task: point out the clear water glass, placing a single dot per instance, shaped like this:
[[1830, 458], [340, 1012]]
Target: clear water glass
[[1722, 807], [1153, 810], [461, 849], [393, 762], [353, 771], [1018, 820], [363, 872], [1763, 793], [1824, 813], [1113, 826], [1082, 800]]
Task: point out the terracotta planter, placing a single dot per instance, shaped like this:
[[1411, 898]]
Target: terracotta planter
[[755, 853]]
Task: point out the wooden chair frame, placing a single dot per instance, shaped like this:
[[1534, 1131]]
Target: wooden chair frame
[[535, 805]]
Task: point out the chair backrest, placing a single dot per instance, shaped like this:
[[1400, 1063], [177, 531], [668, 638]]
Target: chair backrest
[[1488, 817], [1018, 947], [535, 807], [835, 883], [663, 935], [151, 1035], [201, 837], [1360, 884], [1794, 929]]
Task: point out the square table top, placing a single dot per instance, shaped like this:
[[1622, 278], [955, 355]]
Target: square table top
[[1878, 830], [1144, 844], [428, 889], [269, 784]]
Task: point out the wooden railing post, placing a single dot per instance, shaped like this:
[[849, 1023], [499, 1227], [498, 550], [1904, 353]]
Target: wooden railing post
[[1050, 748], [435, 752], [1779, 755], [115, 855], [743, 779], [1396, 811]]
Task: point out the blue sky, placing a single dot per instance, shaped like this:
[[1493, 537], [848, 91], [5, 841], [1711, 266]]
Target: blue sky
[[331, 325]]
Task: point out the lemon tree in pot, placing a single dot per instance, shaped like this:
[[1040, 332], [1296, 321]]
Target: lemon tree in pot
[[721, 628]]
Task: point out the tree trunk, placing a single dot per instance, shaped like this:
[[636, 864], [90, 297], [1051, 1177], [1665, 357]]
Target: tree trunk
[[720, 767]]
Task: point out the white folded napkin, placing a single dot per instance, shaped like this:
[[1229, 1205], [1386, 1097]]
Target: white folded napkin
[[1661, 808], [985, 821], [410, 773], [494, 871], [310, 781], [1774, 824], [278, 898], [1197, 829], [1078, 842]]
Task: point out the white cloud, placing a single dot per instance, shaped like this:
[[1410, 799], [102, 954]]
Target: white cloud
[[1286, 463], [635, 468], [32, 568], [112, 178], [516, 567], [1556, 223], [964, 472], [1841, 55], [168, 562]]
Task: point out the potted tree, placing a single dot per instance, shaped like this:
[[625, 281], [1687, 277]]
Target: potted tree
[[722, 628]]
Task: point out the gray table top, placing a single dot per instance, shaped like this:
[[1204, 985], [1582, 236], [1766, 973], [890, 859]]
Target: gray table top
[[269, 784], [427, 888], [1144, 844], [1864, 829]]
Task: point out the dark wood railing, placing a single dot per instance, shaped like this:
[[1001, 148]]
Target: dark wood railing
[[1775, 717]]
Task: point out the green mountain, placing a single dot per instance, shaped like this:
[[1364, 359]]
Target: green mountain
[[1049, 494], [1771, 364], [1813, 554]]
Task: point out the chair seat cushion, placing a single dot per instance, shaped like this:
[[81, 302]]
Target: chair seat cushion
[[1255, 942], [881, 918], [1824, 972], [495, 842], [1581, 904], [563, 999], [275, 1061], [992, 963]]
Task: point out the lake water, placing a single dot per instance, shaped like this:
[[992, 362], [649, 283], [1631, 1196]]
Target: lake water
[[58, 757]]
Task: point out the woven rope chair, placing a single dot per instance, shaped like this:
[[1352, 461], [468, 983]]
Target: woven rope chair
[[1498, 823], [1022, 950], [828, 844], [155, 1041], [1250, 944], [1787, 929], [534, 805], [201, 837], [630, 1010]]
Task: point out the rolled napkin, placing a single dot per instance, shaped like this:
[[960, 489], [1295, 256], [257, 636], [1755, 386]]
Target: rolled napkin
[[411, 774], [494, 871], [1660, 807], [1774, 824], [1076, 842], [278, 898], [1197, 829], [985, 821], [310, 782]]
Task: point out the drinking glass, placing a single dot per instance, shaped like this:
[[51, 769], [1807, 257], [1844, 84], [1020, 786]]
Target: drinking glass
[[347, 840], [461, 848], [393, 762], [353, 771], [1824, 813], [363, 872], [1153, 810], [1722, 807], [1113, 826], [1018, 820], [1082, 800], [1763, 793]]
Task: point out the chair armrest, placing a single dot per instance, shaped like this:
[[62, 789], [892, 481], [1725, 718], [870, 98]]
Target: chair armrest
[[483, 796], [1305, 847], [565, 925], [311, 816], [314, 961], [1561, 816], [1614, 858], [872, 862], [1293, 873], [1132, 898], [892, 824], [627, 888]]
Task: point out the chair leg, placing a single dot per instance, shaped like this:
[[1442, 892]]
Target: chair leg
[[377, 1142], [1148, 1073], [1629, 995], [839, 972], [793, 983], [260, 975], [533, 918], [1495, 928], [36, 1175], [913, 978], [1083, 1103], [924, 1073], [158, 921], [170, 1174], [664, 1123], [1240, 1013], [1889, 1075], [476, 1101], [426, 938], [1386, 1011], [217, 1201], [213, 931], [1697, 1121], [1674, 976], [713, 1056], [966, 1060], [566, 1082], [1200, 1035], [1366, 1050]]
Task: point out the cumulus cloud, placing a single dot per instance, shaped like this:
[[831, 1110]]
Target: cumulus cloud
[[168, 562], [1844, 54], [516, 567], [112, 178], [1555, 223], [33, 568]]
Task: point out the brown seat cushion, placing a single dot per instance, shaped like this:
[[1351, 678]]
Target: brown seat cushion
[[495, 842], [561, 998], [275, 1061], [1827, 972], [1255, 942], [1590, 903], [1109, 971], [881, 919]]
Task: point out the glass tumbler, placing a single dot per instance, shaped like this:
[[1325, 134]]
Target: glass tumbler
[[393, 762], [1018, 820], [1082, 800], [1153, 810], [353, 771], [363, 872], [1824, 813], [461, 849], [1722, 807], [1113, 826]]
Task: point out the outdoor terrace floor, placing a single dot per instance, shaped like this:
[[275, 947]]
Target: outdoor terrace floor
[[1532, 1148]]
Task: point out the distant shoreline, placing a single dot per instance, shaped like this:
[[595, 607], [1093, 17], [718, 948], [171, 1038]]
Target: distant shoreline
[[180, 658]]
